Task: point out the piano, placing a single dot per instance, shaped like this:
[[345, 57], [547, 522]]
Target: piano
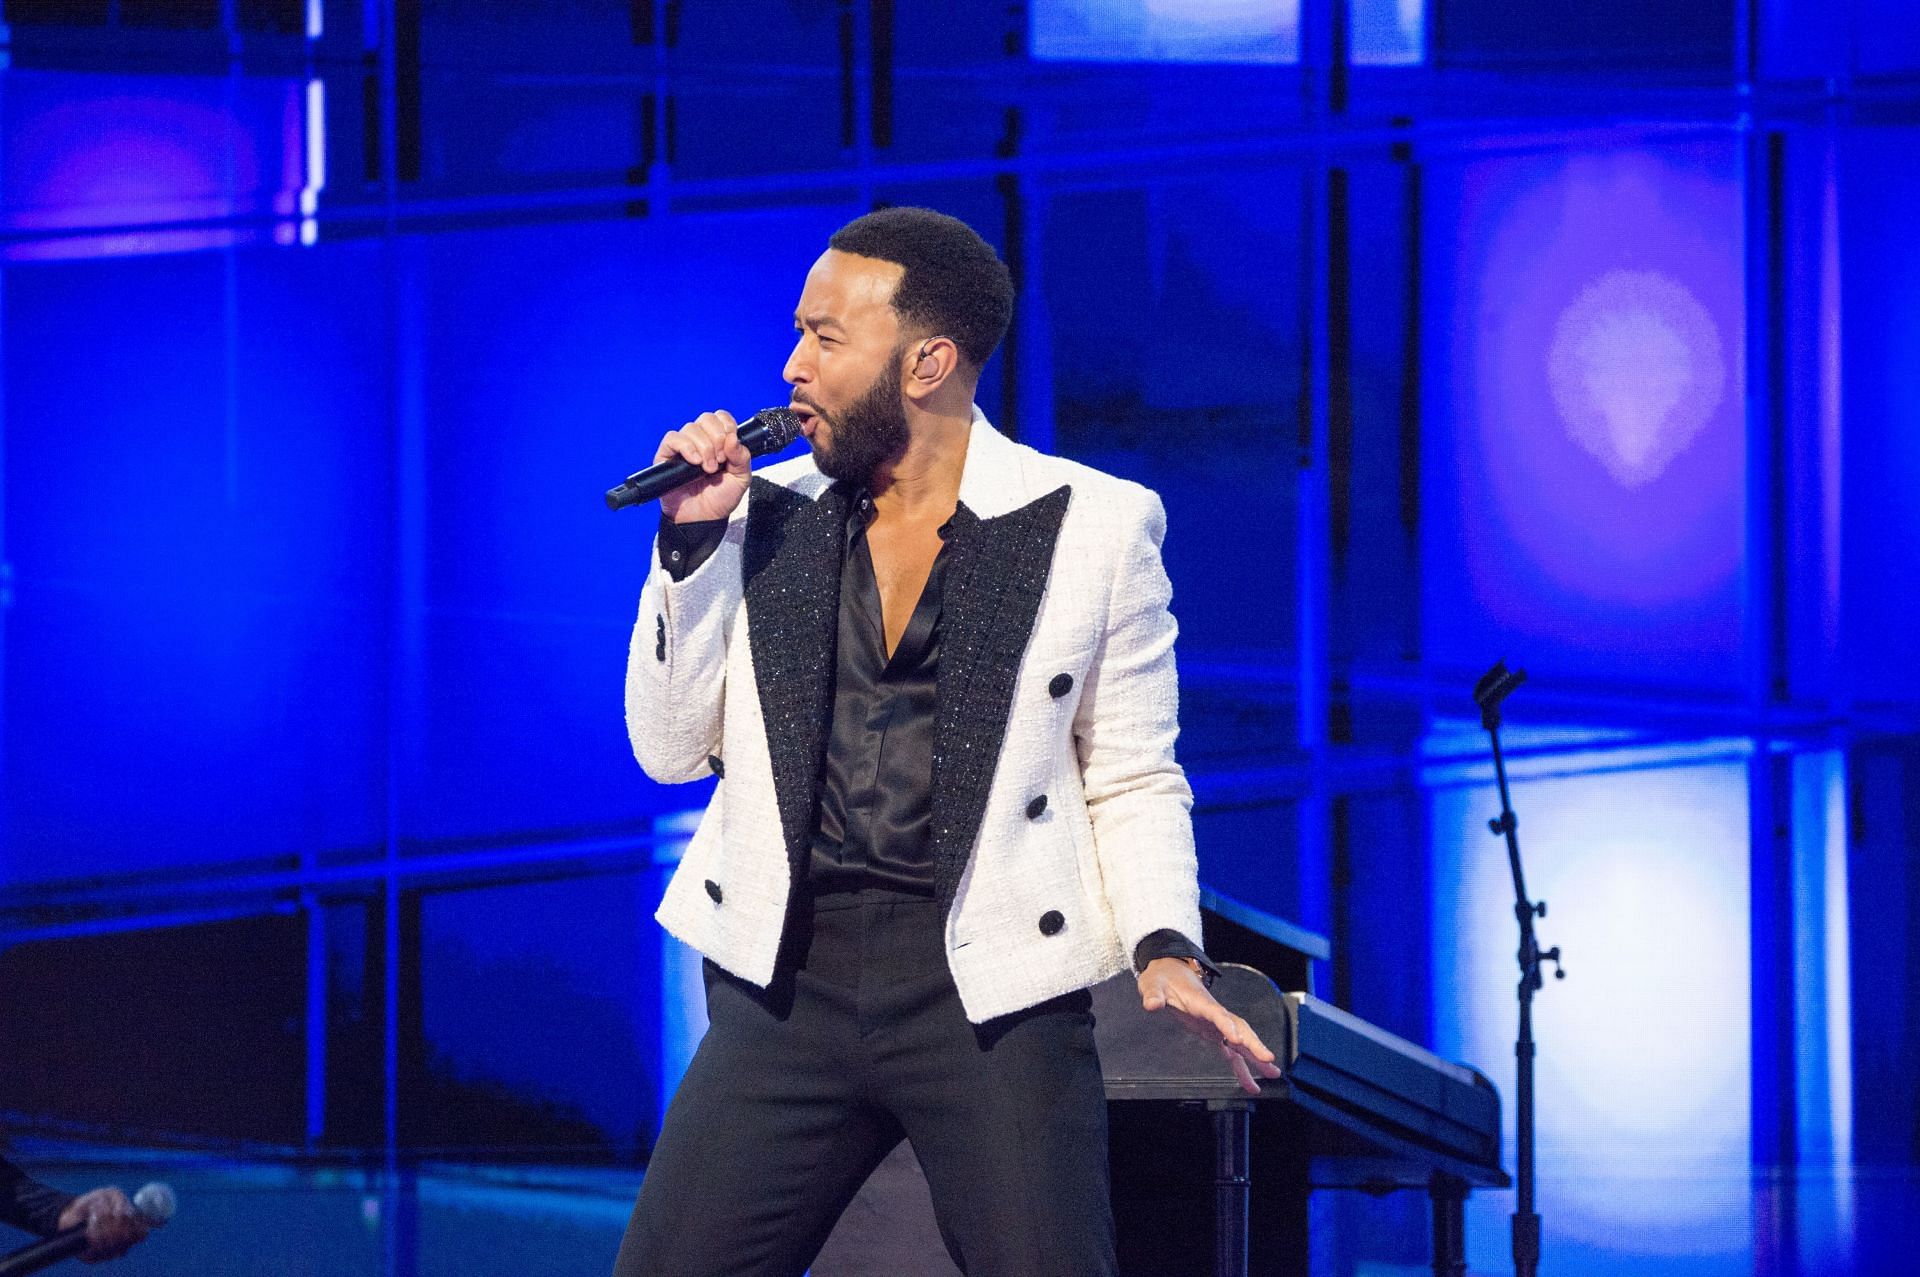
[[1355, 1107]]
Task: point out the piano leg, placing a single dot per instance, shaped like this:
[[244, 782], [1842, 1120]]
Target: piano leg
[[1449, 1195], [1232, 1185]]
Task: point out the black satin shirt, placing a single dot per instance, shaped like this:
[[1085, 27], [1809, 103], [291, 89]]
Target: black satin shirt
[[872, 823]]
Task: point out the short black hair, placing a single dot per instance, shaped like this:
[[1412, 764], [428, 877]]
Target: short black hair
[[955, 284]]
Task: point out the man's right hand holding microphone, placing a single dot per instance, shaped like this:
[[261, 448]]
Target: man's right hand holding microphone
[[712, 442]]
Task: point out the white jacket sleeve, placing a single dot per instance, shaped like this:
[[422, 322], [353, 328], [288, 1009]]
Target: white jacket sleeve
[[677, 663], [1138, 799]]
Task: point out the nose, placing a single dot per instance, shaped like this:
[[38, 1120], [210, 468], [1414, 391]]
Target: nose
[[798, 369]]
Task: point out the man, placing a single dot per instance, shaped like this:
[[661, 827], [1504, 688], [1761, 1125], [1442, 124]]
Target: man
[[933, 670], [112, 1225]]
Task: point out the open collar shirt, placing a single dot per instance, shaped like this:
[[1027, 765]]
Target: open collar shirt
[[872, 826]]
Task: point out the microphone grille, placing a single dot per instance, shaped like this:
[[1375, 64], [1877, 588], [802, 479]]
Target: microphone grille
[[155, 1203], [782, 428]]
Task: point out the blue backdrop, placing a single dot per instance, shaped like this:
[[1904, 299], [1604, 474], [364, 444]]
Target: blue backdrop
[[1584, 341]]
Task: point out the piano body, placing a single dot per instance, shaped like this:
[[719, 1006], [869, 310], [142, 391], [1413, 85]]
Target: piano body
[[1209, 1180]]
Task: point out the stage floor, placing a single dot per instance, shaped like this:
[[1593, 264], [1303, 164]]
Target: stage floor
[[282, 1218], [265, 1218]]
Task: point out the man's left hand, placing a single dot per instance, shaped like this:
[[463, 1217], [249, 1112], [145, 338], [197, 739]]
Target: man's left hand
[[1174, 984], [112, 1224]]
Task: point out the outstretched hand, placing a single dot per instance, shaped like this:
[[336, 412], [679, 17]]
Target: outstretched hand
[[1174, 984]]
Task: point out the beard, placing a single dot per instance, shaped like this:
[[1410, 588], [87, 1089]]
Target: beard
[[868, 434]]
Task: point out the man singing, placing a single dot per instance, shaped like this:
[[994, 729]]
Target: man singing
[[933, 670]]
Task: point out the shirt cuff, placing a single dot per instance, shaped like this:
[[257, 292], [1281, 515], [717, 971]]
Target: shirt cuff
[[685, 546], [33, 1206], [1168, 943]]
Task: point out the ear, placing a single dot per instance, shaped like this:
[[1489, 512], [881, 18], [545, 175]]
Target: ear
[[930, 362]]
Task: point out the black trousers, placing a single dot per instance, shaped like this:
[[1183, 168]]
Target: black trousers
[[799, 1090]]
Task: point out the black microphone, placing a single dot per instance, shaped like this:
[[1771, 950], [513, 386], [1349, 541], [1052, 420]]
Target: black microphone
[[154, 1203], [768, 430]]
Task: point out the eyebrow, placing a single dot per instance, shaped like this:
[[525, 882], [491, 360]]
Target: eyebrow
[[819, 321]]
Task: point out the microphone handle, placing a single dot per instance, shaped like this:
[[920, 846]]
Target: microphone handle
[[652, 483], [44, 1253]]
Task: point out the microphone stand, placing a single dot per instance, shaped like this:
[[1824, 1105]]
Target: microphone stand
[[1493, 688]]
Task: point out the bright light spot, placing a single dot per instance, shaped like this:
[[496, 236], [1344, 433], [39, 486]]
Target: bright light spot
[[1643, 1122], [1636, 371], [1225, 13], [316, 160], [1636, 906], [1385, 33], [316, 134], [1252, 31]]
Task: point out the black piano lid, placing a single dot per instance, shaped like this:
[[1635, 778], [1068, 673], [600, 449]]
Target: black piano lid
[[1367, 1092], [1380, 1037], [1362, 1070]]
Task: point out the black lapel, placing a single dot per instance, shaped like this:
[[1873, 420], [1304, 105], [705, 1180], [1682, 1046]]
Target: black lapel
[[996, 572], [791, 569]]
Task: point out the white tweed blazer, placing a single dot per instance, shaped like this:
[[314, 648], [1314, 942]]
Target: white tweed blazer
[[1057, 679]]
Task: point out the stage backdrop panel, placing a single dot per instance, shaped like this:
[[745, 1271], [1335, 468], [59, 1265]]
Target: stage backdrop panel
[[190, 1031], [540, 1019], [1643, 1076], [1585, 458], [1177, 364], [551, 362], [198, 528], [1879, 187], [127, 153], [1167, 30]]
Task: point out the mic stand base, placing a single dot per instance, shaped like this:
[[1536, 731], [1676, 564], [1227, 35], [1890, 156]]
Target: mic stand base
[[1526, 1245]]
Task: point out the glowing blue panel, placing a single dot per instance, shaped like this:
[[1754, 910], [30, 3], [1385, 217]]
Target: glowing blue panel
[[552, 360], [1587, 446], [198, 532], [1387, 33], [1886, 37], [118, 152], [1643, 1074], [1823, 1013], [1262, 31], [1876, 413], [1799, 39]]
